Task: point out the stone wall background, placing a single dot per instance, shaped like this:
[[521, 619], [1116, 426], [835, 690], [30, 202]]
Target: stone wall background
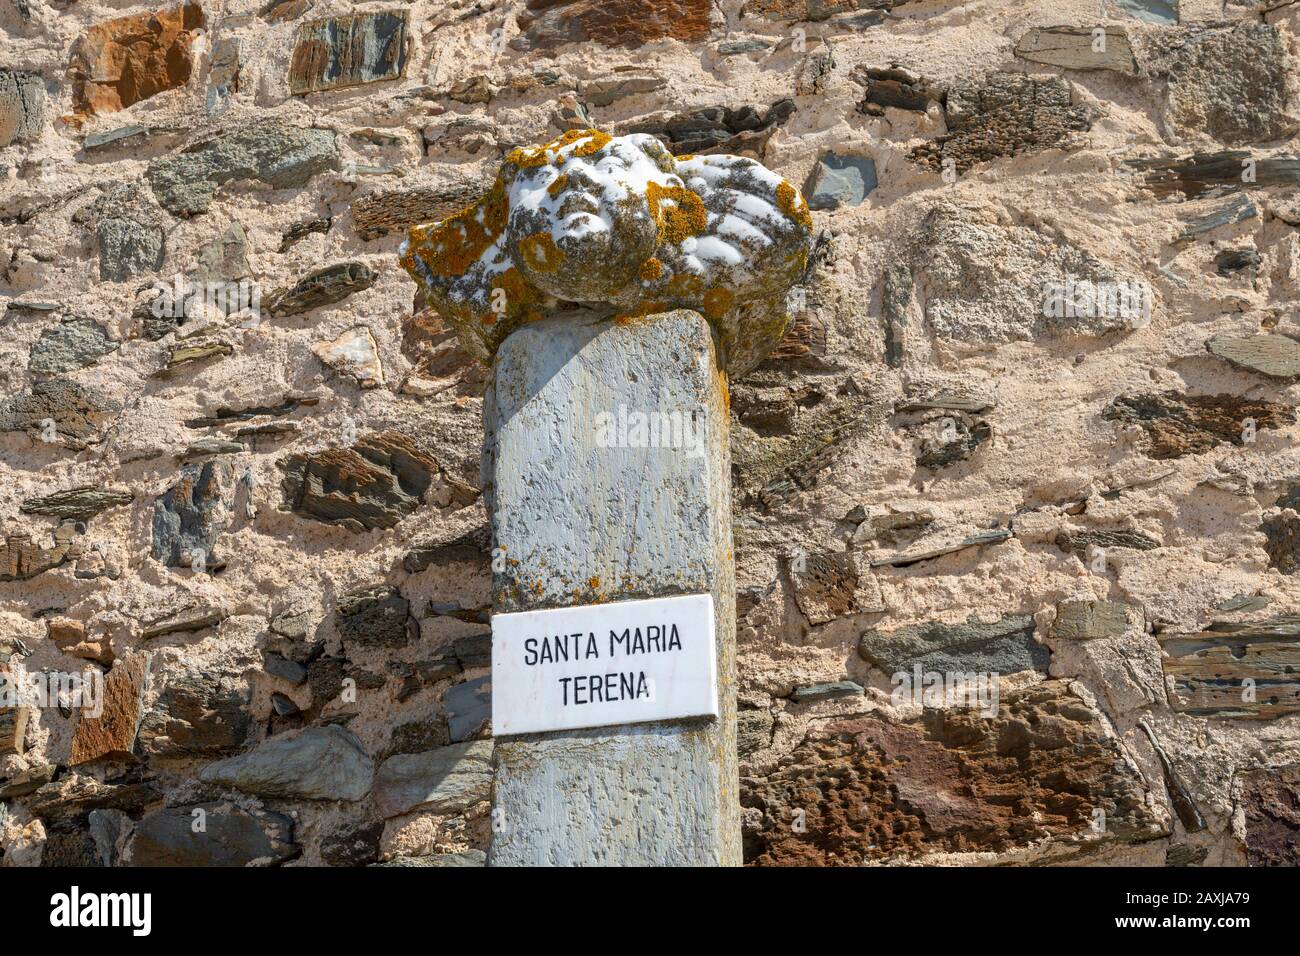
[[1099, 508]]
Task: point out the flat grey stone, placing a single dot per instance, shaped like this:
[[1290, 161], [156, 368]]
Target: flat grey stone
[[1148, 11], [1089, 620], [1277, 356], [22, 107], [319, 763], [840, 180], [469, 707], [1002, 647], [603, 92], [1230, 212], [1075, 48], [732, 47], [69, 346], [96, 141], [447, 780], [926, 552], [224, 258]]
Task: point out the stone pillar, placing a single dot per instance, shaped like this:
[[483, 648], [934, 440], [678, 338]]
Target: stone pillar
[[581, 523]]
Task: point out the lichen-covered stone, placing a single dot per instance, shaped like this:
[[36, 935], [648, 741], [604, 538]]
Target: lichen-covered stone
[[619, 223], [277, 154], [69, 346], [1231, 83]]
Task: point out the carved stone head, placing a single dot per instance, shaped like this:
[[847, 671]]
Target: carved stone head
[[619, 223]]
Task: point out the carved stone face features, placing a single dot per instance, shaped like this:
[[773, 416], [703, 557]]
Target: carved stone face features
[[619, 223], [591, 208]]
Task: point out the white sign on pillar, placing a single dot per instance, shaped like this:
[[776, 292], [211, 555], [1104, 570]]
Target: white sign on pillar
[[604, 664]]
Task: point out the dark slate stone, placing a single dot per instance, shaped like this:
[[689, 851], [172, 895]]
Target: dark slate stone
[[377, 616], [69, 346], [469, 707], [231, 837], [1231, 261], [196, 714], [191, 516], [1003, 647], [829, 691], [280, 667], [356, 844], [348, 51], [966, 439], [333, 283]]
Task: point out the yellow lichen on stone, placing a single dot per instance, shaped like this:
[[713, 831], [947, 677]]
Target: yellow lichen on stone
[[541, 251], [793, 205], [717, 301], [620, 223], [679, 212], [450, 247], [686, 285]]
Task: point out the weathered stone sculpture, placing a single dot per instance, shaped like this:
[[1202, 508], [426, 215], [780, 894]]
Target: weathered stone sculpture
[[619, 223], [692, 260]]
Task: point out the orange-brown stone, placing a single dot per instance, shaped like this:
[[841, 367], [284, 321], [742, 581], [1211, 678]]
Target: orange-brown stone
[[113, 732], [129, 59]]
